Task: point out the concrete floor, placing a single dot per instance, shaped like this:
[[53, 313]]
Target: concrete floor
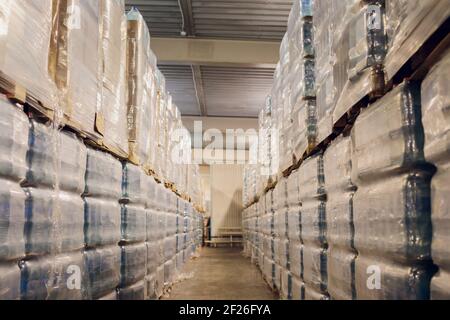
[[221, 274]]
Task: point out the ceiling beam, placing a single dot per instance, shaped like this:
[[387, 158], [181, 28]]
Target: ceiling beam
[[198, 82], [214, 52], [186, 9]]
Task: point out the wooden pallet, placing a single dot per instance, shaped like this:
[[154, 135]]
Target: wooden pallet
[[271, 183]]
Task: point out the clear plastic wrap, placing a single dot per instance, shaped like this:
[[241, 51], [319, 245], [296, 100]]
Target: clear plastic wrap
[[340, 226], [134, 185], [133, 264], [293, 199], [47, 278], [159, 281], [133, 223], [9, 281], [152, 257], [392, 214], [113, 62], [26, 29], [12, 220], [304, 129], [435, 115], [361, 46], [103, 176], [55, 159], [150, 287], [77, 55], [141, 84], [14, 127], [169, 271], [133, 292], [392, 126], [409, 24], [313, 226], [102, 271], [169, 248], [286, 285], [102, 222], [152, 224], [295, 256], [435, 118], [53, 222], [298, 289]]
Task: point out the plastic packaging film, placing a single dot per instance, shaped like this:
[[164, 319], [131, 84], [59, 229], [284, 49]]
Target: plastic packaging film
[[134, 185], [101, 271], [133, 264], [409, 25], [133, 292], [435, 116], [340, 226], [398, 141], [364, 47], [9, 281], [14, 127], [102, 222], [78, 59], [25, 37], [12, 220], [392, 214], [140, 77], [313, 226], [46, 278], [103, 175], [133, 225], [113, 65]]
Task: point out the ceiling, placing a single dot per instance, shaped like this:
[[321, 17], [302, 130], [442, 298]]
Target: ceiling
[[217, 90]]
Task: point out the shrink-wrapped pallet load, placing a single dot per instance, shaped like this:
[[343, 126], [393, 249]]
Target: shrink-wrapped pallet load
[[141, 88], [340, 227], [313, 228], [435, 118], [391, 208], [112, 113], [410, 23], [76, 54], [25, 38]]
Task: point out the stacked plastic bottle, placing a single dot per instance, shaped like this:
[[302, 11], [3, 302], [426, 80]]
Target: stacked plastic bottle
[[435, 118], [293, 286], [153, 238], [280, 242], [54, 214], [313, 228], [14, 127], [133, 263], [102, 225], [392, 208], [294, 84], [358, 51], [339, 219]]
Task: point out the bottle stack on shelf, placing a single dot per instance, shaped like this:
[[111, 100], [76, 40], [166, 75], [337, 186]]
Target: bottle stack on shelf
[[371, 213], [92, 218], [106, 86]]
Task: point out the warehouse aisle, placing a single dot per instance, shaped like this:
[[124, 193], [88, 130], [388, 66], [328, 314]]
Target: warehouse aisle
[[221, 274]]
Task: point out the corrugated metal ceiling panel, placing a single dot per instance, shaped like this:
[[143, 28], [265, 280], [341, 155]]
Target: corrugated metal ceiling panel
[[233, 92], [250, 19], [180, 85]]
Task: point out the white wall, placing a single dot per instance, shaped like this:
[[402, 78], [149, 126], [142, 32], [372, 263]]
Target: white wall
[[226, 196]]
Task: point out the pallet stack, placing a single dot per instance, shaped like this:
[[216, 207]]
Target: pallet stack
[[79, 216], [373, 215]]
